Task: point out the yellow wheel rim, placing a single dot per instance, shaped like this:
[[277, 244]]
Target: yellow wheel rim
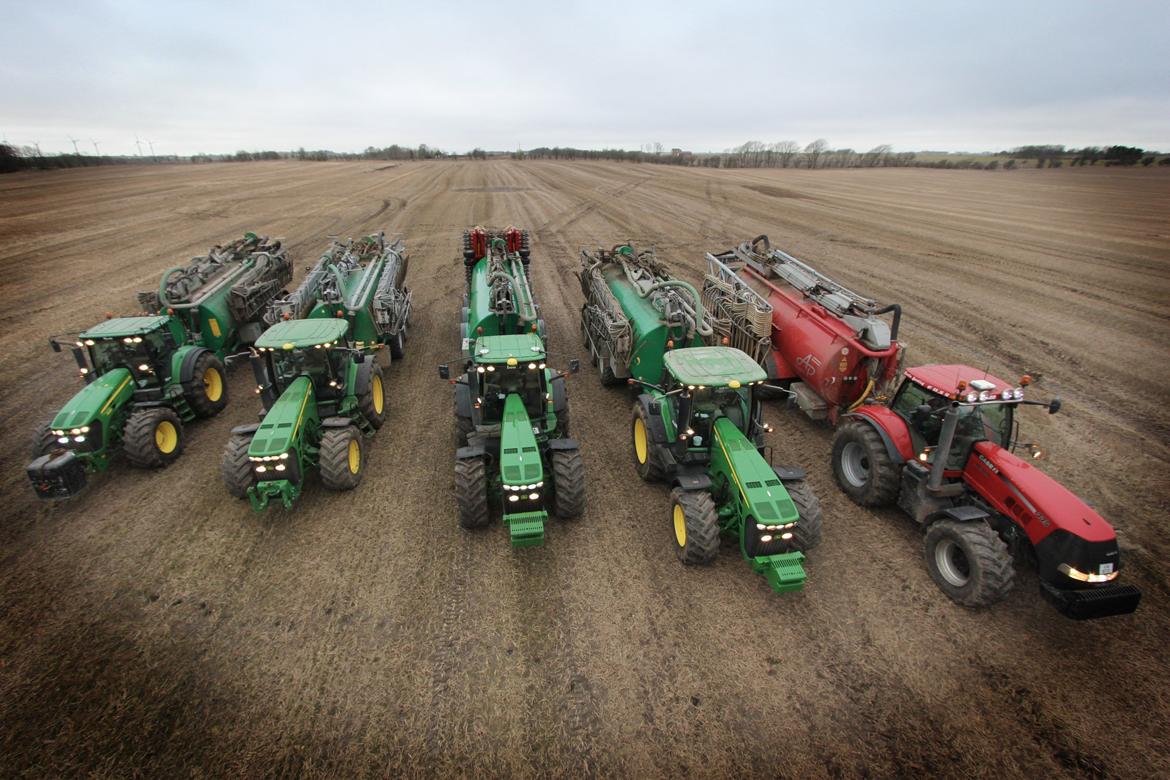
[[640, 447], [212, 384], [378, 399], [355, 456], [166, 437], [680, 526]]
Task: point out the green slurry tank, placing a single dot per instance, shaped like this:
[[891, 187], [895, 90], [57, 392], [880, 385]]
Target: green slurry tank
[[322, 397], [697, 423], [514, 455], [362, 281], [146, 376]]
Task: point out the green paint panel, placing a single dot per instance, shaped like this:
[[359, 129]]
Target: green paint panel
[[525, 348], [520, 462], [713, 367], [649, 334], [358, 287], [108, 392], [762, 491], [480, 313], [526, 529], [119, 327], [282, 425], [784, 573], [301, 334]]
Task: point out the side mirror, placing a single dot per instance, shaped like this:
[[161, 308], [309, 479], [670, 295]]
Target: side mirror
[[54, 345], [444, 372], [922, 414], [1054, 406], [574, 366]]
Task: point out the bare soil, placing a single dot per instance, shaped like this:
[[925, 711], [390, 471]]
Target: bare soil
[[155, 626]]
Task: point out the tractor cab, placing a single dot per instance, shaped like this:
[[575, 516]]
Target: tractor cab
[[712, 383], [505, 366], [315, 348], [141, 345], [984, 410]]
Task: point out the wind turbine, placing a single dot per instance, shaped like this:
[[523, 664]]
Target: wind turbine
[[139, 145], [74, 142], [96, 150], [151, 144]]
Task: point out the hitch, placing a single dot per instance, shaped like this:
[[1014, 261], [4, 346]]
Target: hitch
[[526, 528], [784, 572]]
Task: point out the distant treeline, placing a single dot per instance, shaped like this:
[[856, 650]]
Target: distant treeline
[[753, 154]]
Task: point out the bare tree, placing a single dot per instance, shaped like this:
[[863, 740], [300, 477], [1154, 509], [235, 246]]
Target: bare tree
[[785, 151], [879, 155], [813, 152]]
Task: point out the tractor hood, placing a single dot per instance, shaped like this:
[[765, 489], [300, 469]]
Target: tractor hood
[[1047, 501], [520, 462], [281, 428], [96, 399], [762, 491]]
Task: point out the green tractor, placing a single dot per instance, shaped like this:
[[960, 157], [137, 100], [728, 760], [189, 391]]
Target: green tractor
[[148, 375], [697, 423], [322, 397], [511, 409]]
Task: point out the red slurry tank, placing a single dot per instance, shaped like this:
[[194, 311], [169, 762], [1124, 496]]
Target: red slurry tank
[[830, 346]]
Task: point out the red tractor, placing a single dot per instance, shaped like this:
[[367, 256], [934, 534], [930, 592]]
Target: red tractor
[[940, 444]]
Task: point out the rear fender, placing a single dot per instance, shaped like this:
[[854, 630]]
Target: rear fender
[[463, 406], [655, 424], [564, 443], [183, 366], [893, 430]]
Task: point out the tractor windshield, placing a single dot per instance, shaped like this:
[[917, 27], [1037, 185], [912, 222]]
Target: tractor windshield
[[709, 404], [924, 411], [130, 352], [496, 385], [317, 364]]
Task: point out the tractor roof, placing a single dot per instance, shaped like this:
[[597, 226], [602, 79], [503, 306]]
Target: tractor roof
[[298, 334], [125, 326], [713, 367], [500, 349], [945, 379]]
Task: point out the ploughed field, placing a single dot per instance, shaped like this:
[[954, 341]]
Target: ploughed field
[[155, 624]]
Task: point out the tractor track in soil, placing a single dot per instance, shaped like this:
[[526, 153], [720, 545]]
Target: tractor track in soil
[[154, 625]]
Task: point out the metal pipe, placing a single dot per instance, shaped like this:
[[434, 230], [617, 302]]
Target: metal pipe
[[945, 440]]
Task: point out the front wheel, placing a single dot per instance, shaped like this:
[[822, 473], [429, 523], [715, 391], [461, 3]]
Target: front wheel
[[807, 533], [969, 562], [43, 439], [238, 472], [568, 483], [152, 437], [471, 492], [342, 458], [863, 468], [695, 523]]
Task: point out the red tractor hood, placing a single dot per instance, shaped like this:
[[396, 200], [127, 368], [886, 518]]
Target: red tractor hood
[[1037, 501]]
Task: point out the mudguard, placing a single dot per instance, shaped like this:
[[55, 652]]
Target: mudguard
[[964, 513], [183, 366], [563, 443], [365, 370], [892, 428], [790, 473], [692, 479], [463, 407], [559, 397], [469, 452], [250, 428], [336, 422], [655, 425]]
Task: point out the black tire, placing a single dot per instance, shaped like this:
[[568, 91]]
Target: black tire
[[563, 422], [807, 533], [340, 468], [568, 483], [464, 427], [209, 390], [695, 526], [372, 394], [608, 377], [398, 344], [471, 492], [237, 471], [969, 562], [43, 439], [647, 457], [862, 466], [152, 437]]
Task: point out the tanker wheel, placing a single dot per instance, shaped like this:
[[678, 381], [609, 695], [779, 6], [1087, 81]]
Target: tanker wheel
[[862, 466], [969, 562], [471, 492], [647, 457], [398, 344], [807, 533], [695, 523], [342, 458], [152, 437], [608, 377], [43, 439], [568, 483], [372, 396], [209, 393], [237, 471]]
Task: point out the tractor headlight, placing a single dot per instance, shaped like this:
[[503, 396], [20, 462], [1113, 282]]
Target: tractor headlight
[[760, 527], [533, 496], [284, 456], [531, 366], [144, 367], [972, 397], [786, 536], [79, 439], [85, 429], [513, 497], [1018, 393], [89, 342], [280, 467], [62, 439], [75, 431], [261, 469], [986, 395], [1081, 576], [766, 538], [1006, 394], [543, 366]]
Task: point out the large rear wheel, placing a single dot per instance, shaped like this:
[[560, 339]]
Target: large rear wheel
[[209, 393], [695, 523], [471, 492], [863, 468], [647, 458], [568, 483], [342, 458], [969, 562], [237, 471], [152, 437]]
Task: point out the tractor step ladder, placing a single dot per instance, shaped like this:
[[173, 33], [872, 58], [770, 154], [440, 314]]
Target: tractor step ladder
[[784, 572], [526, 528], [809, 402]]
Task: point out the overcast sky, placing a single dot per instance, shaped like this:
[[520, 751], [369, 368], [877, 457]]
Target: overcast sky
[[222, 76]]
